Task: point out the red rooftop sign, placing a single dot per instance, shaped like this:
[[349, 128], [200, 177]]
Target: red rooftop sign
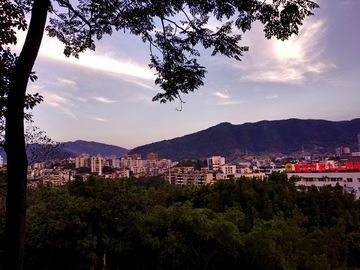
[[322, 167]]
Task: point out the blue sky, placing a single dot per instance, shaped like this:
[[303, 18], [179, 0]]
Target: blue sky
[[105, 96]]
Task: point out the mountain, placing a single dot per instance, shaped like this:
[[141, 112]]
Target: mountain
[[79, 147], [264, 137]]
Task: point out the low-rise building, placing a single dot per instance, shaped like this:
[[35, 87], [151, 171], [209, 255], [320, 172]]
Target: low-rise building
[[227, 176], [196, 178], [346, 174]]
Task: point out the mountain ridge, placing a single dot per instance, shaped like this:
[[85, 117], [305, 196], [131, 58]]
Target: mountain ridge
[[267, 137], [263, 137], [79, 147]]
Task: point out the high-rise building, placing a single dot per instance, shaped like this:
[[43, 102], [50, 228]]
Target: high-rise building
[[152, 156], [97, 164], [82, 161]]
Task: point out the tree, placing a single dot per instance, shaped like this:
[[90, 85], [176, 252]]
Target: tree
[[183, 237], [177, 73]]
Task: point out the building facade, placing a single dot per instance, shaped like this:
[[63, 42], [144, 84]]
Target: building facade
[[215, 162], [346, 174], [97, 164]]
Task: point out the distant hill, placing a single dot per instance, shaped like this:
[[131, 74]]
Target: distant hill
[[79, 147], [265, 137]]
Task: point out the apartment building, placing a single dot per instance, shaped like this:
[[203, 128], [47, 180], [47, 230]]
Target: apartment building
[[228, 168], [215, 162], [97, 163], [152, 156], [195, 178], [83, 161]]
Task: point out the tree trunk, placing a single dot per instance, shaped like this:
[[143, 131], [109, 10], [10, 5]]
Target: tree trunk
[[15, 141]]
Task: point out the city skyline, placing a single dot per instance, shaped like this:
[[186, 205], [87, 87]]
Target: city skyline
[[105, 96]]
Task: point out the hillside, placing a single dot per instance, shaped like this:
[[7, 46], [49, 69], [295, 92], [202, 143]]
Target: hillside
[[264, 137], [79, 147]]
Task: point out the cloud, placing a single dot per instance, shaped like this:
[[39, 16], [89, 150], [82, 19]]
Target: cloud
[[220, 95], [100, 119], [271, 97], [104, 100], [231, 102], [67, 83], [68, 112], [225, 99], [290, 61], [81, 99], [106, 62], [54, 100], [52, 48], [71, 96], [347, 4], [62, 108]]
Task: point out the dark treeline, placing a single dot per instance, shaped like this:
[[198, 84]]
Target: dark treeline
[[146, 223]]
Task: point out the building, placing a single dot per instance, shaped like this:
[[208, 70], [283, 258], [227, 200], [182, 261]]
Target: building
[[215, 162], [346, 174], [133, 157], [113, 162], [227, 176], [97, 164], [131, 161], [342, 151], [152, 156], [82, 161], [195, 178], [228, 168]]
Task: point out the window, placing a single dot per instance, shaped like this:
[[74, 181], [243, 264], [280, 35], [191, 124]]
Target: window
[[349, 179], [333, 179], [350, 188]]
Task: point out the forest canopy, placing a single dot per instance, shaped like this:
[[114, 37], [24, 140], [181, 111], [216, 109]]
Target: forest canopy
[[146, 223]]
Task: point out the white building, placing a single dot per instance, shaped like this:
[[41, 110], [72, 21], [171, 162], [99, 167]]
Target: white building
[[228, 168], [97, 164], [346, 174], [215, 162]]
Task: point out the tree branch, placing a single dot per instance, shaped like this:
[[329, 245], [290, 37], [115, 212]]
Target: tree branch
[[70, 7]]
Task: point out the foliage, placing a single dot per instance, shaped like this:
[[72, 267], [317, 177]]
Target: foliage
[[12, 15], [83, 170], [40, 147], [178, 71], [197, 164], [132, 224]]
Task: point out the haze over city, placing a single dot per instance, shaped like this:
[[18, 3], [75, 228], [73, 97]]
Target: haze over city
[[105, 96]]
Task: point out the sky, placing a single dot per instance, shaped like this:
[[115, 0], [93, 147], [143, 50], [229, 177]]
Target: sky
[[106, 95]]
